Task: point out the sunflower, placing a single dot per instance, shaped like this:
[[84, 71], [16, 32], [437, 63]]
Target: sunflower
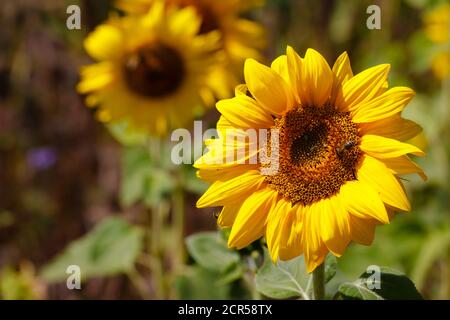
[[240, 38], [437, 29], [152, 69], [340, 152]]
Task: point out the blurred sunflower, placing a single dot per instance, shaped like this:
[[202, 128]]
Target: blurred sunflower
[[437, 28], [340, 154], [240, 38], [152, 69]]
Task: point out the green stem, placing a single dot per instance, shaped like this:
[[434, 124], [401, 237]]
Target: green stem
[[319, 282], [178, 223]]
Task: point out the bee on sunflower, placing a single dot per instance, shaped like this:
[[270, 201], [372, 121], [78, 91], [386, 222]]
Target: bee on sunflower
[[341, 150], [240, 38], [152, 70]]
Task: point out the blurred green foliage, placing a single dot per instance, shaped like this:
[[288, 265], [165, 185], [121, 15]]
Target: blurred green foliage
[[47, 213]]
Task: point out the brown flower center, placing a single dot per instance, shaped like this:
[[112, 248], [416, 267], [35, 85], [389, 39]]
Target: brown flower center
[[154, 71], [204, 10], [318, 152]]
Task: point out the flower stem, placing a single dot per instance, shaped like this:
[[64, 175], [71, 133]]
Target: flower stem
[[178, 222], [319, 282]]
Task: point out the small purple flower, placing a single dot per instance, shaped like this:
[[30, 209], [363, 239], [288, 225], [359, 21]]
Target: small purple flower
[[41, 158]]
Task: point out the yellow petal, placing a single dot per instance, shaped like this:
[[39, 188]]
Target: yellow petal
[[267, 87], [251, 220], [184, 22], [294, 62], [316, 80], [403, 165], [381, 147], [228, 215], [280, 66], [342, 73], [334, 225], [290, 242], [385, 105], [363, 201], [394, 127], [240, 90], [375, 173], [224, 173], [104, 43], [314, 249], [244, 112], [221, 192], [274, 227], [362, 230], [362, 87]]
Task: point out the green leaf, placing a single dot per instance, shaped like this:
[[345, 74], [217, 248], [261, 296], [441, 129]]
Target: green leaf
[[330, 267], [191, 182], [231, 274], [210, 251], [283, 280], [110, 248], [390, 285], [142, 180], [198, 283]]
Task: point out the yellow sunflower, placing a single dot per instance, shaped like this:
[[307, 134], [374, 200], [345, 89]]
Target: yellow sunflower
[[437, 28], [240, 38], [152, 69], [340, 152]]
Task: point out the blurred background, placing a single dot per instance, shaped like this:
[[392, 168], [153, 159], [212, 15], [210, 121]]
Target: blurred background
[[70, 192]]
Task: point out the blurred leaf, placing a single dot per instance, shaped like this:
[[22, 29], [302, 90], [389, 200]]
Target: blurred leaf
[[198, 284], [232, 273], [283, 280], [110, 248], [330, 267], [191, 182], [393, 285], [210, 251], [142, 180], [433, 248]]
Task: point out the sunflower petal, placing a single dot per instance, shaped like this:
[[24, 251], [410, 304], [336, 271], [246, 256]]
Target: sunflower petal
[[267, 87], [290, 242], [404, 165], [375, 173], [394, 127], [362, 230], [228, 215], [314, 248], [381, 147], [385, 105], [251, 219], [334, 224], [316, 79], [294, 62], [104, 43], [274, 226], [238, 187], [342, 72], [244, 112], [363, 201], [362, 87], [280, 65]]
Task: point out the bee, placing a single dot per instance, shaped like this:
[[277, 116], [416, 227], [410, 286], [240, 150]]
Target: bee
[[216, 215], [347, 146]]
